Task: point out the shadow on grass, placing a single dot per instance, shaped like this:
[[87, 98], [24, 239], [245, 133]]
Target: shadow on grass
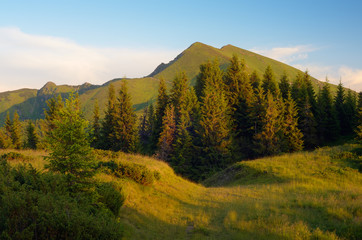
[[240, 174]]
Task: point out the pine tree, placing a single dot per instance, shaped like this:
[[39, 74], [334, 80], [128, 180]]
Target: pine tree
[[179, 94], [210, 74], [161, 104], [8, 128], [235, 80], [255, 80], [215, 126], [146, 128], [54, 105], [96, 127], [293, 137], [284, 86], [32, 138], [269, 82], [167, 136], [108, 124], [69, 146], [5, 140], [339, 106], [16, 131], [359, 118], [308, 125], [267, 141], [350, 107], [125, 132], [328, 127]]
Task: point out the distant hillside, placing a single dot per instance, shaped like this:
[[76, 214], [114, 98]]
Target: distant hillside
[[30, 103]]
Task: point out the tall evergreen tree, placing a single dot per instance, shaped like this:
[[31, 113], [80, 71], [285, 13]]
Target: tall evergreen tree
[[96, 127], [32, 138], [54, 105], [69, 146], [350, 107], [293, 137], [284, 86], [210, 74], [255, 80], [146, 128], [235, 80], [179, 94], [125, 131], [8, 126], [267, 141], [215, 126], [161, 104], [339, 106], [167, 136], [108, 124], [269, 83], [16, 131], [328, 127], [308, 125]]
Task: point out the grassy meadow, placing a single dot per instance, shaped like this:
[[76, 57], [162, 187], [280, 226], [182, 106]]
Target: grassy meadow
[[306, 195]]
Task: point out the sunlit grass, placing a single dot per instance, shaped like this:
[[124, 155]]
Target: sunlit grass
[[306, 195]]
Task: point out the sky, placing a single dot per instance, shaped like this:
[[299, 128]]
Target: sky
[[72, 42]]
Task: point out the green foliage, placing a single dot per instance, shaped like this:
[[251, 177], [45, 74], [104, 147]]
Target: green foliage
[[32, 138], [167, 135], [255, 80], [210, 75], [293, 137], [138, 173], [111, 197], [214, 127], [146, 130], [269, 83], [124, 137], [36, 205], [284, 86], [69, 146], [96, 127], [109, 122], [162, 102], [328, 125]]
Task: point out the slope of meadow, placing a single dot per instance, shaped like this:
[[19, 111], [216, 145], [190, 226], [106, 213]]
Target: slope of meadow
[[306, 195]]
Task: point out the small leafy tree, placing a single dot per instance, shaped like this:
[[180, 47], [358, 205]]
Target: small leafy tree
[[69, 146]]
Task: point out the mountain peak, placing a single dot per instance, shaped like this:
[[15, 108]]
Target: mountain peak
[[47, 89]]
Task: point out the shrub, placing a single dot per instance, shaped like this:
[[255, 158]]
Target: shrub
[[14, 156], [110, 197], [136, 172]]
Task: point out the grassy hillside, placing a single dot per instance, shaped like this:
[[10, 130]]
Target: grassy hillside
[[198, 53], [307, 195], [30, 103]]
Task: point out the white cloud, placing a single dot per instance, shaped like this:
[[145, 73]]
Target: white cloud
[[30, 61], [350, 77], [286, 54]]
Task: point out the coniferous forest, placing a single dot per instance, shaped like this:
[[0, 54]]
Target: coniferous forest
[[228, 116]]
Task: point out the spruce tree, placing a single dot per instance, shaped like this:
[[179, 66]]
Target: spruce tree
[[328, 127], [255, 80], [269, 83], [210, 74], [179, 94], [215, 128], [96, 127], [308, 125], [293, 137], [145, 130], [358, 129], [284, 86], [167, 136], [69, 146], [235, 80], [339, 106], [16, 131], [8, 127], [125, 132], [54, 105], [350, 107], [108, 124], [5, 140], [268, 140], [161, 104], [32, 138]]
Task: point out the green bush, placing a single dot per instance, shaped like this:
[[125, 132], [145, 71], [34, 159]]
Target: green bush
[[136, 172], [14, 156], [36, 205]]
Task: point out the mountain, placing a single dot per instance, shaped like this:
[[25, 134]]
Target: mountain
[[30, 103]]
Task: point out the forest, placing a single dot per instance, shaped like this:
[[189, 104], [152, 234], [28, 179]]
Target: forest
[[227, 117]]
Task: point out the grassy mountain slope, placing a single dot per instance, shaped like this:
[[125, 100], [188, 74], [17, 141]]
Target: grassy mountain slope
[[198, 53], [307, 195], [30, 104]]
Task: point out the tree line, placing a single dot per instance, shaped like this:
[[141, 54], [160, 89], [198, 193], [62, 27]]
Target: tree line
[[226, 117]]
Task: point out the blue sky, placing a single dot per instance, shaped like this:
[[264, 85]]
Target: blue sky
[[71, 42]]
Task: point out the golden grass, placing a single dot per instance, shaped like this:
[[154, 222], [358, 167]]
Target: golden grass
[[306, 195]]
